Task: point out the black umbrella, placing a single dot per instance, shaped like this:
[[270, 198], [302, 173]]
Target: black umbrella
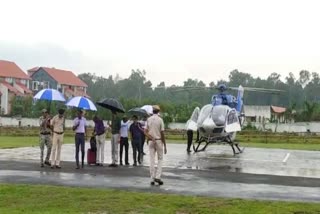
[[138, 112], [112, 104]]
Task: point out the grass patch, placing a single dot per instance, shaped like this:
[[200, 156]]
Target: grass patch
[[51, 199], [312, 145], [7, 142]]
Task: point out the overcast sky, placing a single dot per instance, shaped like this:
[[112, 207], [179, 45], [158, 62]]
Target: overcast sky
[[172, 40]]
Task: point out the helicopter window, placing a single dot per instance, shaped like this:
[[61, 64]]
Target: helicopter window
[[232, 118]]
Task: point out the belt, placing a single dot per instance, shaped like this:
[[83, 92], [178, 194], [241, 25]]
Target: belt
[[45, 133], [58, 132], [80, 133], [100, 134]]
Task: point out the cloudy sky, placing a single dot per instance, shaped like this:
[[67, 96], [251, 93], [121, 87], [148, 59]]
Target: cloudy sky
[[172, 40]]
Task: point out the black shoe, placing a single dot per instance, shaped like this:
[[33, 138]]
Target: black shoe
[[152, 183], [135, 164], [52, 166], [101, 164], [42, 165], [47, 163], [159, 181], [127, 163], [58, 167], [121, 164], [188, 150], [144, 153], [113, 165], [97, 164], [77, 167]]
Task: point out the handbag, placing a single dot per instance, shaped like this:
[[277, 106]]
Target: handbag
[[93, 144]]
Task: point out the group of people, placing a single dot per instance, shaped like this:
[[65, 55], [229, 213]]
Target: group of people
[[122, 129], [135, 130]]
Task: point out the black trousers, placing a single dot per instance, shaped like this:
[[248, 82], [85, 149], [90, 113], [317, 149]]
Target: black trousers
[[136, 147], [79, 141], [124, 143], [190, 137], [143, 139]]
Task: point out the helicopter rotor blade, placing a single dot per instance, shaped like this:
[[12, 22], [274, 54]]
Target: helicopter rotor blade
[[198, 88], [190, 89], [263, 90]]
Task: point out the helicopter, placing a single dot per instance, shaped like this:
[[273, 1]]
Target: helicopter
[[219, 121]]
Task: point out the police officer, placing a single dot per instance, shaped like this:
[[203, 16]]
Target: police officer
[[57, 125], [45, 136], [155, 132]]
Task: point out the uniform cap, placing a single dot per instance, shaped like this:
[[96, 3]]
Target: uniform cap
[[156, 107]]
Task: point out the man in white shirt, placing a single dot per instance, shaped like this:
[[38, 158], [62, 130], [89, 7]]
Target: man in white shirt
[[155, 132], [124, 140], [80, 128]]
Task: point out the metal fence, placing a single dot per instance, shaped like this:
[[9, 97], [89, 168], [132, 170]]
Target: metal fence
[[266, 137]]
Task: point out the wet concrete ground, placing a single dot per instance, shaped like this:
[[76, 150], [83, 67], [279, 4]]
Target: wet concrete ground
[[273, 174]]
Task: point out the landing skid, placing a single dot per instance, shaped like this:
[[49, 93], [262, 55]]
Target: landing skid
[[237, 146], [197, 146], [201, 144]]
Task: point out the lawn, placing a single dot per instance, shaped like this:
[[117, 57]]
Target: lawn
[[296, 144], [14, 142], [51, 199]]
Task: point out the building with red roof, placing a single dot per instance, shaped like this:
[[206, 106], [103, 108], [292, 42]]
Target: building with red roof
[[13, 82], [63, 80], [262, 113]]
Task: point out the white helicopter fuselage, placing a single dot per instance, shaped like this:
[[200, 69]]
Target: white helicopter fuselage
[[214, 121], [219, 121]]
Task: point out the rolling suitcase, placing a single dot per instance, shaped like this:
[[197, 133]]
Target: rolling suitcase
[[91, 157]]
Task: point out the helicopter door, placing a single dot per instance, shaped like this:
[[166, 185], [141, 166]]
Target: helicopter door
[[232, 122]]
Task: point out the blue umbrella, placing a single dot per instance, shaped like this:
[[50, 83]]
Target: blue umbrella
[[50, 94], [82, 103]]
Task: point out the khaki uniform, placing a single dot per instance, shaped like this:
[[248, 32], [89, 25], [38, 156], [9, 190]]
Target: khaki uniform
[[45, 138], [57, 140], [101, 139], [155, 126], [115, 131]]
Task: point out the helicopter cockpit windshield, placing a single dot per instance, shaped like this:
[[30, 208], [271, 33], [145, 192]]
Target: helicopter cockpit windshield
[[222, 98]]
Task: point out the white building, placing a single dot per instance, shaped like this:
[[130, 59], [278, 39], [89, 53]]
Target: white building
[[263, 113]]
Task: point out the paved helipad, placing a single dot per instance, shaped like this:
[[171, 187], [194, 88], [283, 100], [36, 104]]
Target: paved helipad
[[274, 174]]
